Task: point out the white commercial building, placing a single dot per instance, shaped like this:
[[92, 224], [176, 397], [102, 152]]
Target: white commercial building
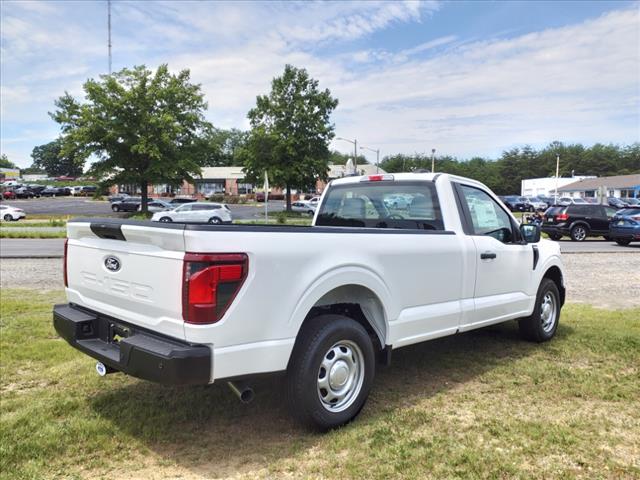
[[546, 186]]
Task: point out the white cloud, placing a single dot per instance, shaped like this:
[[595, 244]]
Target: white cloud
[[575, 83]]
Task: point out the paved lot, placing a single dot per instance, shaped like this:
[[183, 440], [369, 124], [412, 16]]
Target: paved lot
[[31, 247], [83, 206], [596, 245], [604, 280]]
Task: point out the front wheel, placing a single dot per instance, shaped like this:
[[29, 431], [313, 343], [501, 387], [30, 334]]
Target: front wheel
[[115, 208], [622, 242], [578, 233], [8, 217], [215, 221], [330, 372], [166, 219], [542, 324]]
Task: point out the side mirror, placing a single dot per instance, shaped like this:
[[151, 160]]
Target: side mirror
[[530, 232]]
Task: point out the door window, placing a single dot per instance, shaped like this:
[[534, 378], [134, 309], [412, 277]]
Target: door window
[[487, 217], [184, 208]]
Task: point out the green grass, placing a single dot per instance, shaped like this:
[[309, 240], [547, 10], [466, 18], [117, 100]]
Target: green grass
[[479, 405], [51, 222], [29, 234]]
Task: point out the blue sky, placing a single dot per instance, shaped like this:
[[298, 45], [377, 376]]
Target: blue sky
[[466, 78]]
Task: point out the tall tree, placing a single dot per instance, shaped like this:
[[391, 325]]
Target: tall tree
[[49, 157], [290, 133], [143, 127], [6, 163], [222, 147], [338, 158]]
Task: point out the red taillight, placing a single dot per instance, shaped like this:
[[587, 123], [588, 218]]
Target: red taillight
[[64, 268], [563, 217], [210, 283]]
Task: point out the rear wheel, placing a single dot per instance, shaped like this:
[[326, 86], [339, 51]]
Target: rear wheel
[[542, 324], [8, 217], [115, 208], [215, 221], [623, 242], [330, 372], [579, 233], [166, 219]]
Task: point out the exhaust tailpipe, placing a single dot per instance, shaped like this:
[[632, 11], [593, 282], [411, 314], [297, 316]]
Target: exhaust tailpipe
[[243, 391]]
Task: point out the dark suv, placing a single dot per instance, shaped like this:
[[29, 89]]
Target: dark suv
[[577, 221]]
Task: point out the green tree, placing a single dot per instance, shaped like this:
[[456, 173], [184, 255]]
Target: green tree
[[142, 127], [338, 158], [222, 148], [49, 157], [290, 132], [6, 163]]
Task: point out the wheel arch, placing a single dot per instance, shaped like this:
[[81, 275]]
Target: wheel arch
[[555, 274], [353, 291]]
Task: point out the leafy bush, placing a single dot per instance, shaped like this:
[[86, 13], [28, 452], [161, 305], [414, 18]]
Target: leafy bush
[[281, 217]]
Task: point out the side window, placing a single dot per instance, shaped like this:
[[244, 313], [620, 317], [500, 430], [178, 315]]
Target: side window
[[487, 217], [185, 208]]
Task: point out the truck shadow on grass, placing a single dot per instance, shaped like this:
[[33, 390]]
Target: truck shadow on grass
[[209, 432]]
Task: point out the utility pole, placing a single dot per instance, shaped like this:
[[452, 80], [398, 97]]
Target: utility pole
[[557, 174], [433, 160], [109, 29]]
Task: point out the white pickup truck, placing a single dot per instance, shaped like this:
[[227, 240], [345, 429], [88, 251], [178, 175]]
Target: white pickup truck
[[181, 303]]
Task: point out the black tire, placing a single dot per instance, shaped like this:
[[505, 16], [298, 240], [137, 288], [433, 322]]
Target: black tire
[[311, 212], [555, 237], [166, 219], [215, 221], [623, 242], [607, 238], [8, 217], [316, 342], [579, 233], [115, 208], [535, 327]]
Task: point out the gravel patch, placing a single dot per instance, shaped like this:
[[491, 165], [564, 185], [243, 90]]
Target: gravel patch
[[605, 280], [31, 273]]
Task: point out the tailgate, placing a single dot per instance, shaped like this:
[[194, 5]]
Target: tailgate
[[129, 271]]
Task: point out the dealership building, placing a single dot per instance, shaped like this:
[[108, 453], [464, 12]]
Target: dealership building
[[532, 187], [620, 186], [230, 181]]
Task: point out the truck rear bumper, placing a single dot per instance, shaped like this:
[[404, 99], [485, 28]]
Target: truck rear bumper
[[129, 349]]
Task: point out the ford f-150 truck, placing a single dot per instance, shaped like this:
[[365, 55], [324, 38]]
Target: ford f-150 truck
[[180, 303]]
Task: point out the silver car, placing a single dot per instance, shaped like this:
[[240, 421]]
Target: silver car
[[205, 212]]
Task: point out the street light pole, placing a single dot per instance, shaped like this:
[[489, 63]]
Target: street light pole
[[355, 150], [377, 156], [557, 173], [433, 160]]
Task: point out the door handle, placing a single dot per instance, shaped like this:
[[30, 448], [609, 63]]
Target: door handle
[[487, 256]]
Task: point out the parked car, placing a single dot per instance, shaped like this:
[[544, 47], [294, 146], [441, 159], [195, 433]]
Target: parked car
[[181, 201], [24, 192], [36, 189], [517, 204], [398, 202], [315, 201], [8, 195], [118, 197], [616, 203], [198, 304], [194, 212], [75, 190], [537, 203], [8, 213], [272, 196], [572, 201], [158, 205], [50, 191], [129, 204], [577, 221], [302, 207], [625, 226], [88, 190], [631, 202]]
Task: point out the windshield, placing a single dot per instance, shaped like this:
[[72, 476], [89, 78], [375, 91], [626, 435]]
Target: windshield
[[406, 205]]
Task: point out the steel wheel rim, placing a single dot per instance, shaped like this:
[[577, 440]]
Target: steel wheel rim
[[340, 376], [548, 312], [580, 233]]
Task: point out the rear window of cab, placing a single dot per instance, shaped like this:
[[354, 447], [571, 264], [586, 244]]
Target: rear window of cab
[[402, 205]]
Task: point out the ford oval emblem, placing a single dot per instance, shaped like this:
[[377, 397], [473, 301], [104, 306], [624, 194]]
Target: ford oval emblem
[[112, 263]]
